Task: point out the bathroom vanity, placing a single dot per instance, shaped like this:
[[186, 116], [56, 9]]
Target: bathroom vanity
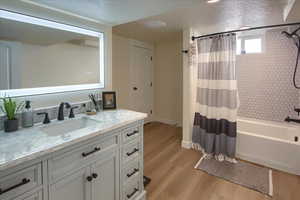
[[96, 157]]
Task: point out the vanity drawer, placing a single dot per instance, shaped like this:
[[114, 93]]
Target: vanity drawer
[[131, 150], [61, 165], [131, 171], [20, 182], [36, 196], [131, 133], [131, 190]]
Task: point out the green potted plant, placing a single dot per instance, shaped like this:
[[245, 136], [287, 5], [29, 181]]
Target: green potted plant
[[10, 107]]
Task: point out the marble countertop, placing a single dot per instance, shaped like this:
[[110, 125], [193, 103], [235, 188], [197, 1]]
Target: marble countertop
[[31, 143]]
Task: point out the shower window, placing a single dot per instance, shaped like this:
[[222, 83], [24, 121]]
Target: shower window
[[250, 44]]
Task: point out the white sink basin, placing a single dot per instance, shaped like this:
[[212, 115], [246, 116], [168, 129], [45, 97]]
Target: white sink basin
[[64, 127]]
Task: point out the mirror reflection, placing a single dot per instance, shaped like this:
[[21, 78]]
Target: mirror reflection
[[33, 56]]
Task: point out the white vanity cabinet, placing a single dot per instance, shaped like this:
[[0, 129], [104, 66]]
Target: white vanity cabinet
[[73, 187], [108, 166], [105, 184], [20, 181], [98, 181]]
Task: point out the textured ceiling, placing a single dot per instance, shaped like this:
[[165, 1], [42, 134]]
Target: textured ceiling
[[294, 14], [116, 11], [207, 18], [129, 16]]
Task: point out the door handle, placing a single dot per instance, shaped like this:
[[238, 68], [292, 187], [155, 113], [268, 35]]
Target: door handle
[[135, 88]]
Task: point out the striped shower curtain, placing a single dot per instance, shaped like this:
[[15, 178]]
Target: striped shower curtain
[[214, 131]]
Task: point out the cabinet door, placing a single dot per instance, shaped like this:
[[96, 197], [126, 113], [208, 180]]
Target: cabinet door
[[105, 184], [72, 187], [35, 196]]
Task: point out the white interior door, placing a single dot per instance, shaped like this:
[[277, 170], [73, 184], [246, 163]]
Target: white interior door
[[141, 70]]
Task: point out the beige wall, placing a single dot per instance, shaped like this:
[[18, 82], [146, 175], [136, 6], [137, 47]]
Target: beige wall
[[120, 70], [168, 82], [167, 78], [58, 65]]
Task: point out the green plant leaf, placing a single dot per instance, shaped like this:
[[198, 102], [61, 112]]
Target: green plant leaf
[[11, 107]]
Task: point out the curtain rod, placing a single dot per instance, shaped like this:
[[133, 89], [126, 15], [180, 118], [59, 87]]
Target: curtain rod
[[240, 30]]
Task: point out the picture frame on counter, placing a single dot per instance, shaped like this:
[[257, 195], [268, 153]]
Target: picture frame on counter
[[109, 100]]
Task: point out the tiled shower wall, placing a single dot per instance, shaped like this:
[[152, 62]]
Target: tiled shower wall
[[265, 80]]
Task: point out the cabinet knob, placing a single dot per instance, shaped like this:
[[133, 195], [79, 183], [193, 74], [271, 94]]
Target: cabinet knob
[[94, 175], [89, 178]]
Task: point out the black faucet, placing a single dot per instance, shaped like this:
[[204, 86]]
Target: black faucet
[[61, 116], [288, 119], [72, 115], [46, 119]]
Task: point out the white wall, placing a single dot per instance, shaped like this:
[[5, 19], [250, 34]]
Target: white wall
[[55, 99], [187, 103], [168, 82]]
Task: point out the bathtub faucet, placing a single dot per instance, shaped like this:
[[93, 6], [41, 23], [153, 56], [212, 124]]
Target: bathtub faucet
[[288, 119]]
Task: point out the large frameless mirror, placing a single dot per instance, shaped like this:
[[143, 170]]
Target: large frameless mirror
[[38, 56]]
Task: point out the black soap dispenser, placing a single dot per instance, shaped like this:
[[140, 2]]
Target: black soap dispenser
[[27, 115]]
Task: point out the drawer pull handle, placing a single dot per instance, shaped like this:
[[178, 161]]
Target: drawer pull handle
[[133, 133], [94, 175], [24, 182], [132, 173], [133, 193], [134, 150], [91, 152]]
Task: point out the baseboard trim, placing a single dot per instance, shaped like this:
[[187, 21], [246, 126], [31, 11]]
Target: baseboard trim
[[167, 121], [186, 144], [179, 124]]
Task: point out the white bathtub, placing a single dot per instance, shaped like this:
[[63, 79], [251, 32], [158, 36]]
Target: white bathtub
[[271, 144]]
